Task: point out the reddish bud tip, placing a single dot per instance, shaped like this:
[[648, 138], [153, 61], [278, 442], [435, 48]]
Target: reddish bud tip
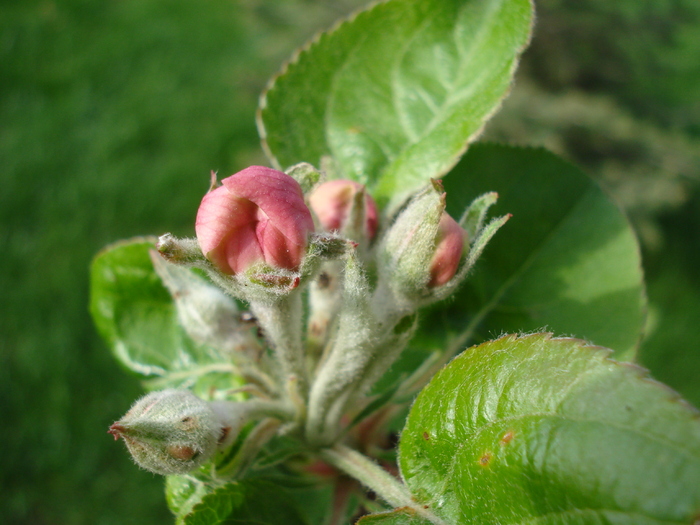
[[448, 251], [333, 201], [116, 430]]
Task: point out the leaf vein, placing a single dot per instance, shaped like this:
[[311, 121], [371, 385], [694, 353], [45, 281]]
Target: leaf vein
[[651, 437], [412, 136]]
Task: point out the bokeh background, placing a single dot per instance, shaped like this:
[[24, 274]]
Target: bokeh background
[[112, 113]]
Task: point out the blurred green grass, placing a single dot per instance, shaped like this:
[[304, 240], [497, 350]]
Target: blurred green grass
[[111, 116], [112, 113]]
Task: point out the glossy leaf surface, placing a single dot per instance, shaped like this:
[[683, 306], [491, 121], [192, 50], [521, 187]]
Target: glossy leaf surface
[[396, 93], [550, 431]]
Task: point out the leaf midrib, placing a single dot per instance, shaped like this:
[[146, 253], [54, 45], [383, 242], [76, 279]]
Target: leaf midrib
[[444, 107], [486, 26]]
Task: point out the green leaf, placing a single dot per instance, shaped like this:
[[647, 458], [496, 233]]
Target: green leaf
[[396, 517], [396, 93], [550, 431], [670, 349], [135, 313], [258, 501], [567, 261], [183, 493]]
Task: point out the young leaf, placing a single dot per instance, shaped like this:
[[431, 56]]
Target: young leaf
[[136, 315], [183, 493], [395, 517], [550, 431], [567, 261], [257, 501], [395, 94]]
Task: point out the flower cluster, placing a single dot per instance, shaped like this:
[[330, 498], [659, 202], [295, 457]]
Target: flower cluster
[[259, 216], [265, 236]]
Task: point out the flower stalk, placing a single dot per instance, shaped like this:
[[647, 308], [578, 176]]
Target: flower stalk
[[280, 319], [375, 478]]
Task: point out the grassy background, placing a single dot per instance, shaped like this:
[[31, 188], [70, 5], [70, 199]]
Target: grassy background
[[113, 112]]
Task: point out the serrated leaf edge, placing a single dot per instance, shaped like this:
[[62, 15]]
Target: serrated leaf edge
[[317, 39]]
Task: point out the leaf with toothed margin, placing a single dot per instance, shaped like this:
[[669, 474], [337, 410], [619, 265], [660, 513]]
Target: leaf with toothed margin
[[567, 261], [183, 493], [246, 502], [136, 315], [536, 430], [395, 94]]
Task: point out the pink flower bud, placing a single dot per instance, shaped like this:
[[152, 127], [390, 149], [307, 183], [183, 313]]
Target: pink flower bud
[[333, 201], [448, 251], [258, 215]]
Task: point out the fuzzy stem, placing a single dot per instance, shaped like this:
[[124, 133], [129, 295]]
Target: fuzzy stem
[[252, 444], [376, 479], [281, 321], [324, 302], [255, 409], [348, 358], [367, 342]]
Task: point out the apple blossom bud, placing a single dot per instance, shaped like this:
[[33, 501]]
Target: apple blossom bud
[[340, 206], [170, 431], [449, 246], [258, 215], [423, 249]]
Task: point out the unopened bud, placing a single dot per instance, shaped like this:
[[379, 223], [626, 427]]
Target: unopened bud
[[257, 216], [345, 206], [424, 247], [170, 431], [206, 313], [449, 247]]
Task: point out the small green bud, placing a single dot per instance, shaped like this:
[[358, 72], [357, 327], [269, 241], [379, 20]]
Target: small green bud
[[180, 251], [170, 431]]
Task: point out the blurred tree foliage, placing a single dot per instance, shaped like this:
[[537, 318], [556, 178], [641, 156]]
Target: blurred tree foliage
[[113, 112], [615, 87], [642, 52]]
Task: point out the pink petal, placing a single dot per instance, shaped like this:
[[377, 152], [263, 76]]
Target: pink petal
[[448, 253]]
